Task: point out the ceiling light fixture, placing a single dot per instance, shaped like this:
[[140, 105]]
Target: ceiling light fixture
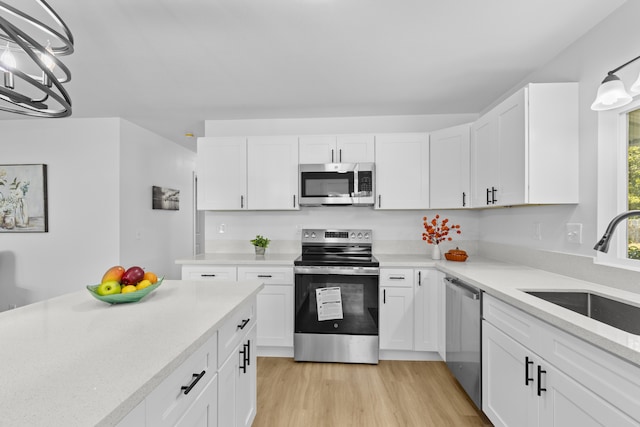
[[612, 94], [37, 85]]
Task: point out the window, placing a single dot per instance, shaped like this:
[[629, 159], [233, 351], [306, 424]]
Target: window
[[633, 183]]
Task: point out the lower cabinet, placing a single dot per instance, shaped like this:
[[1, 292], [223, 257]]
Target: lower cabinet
[[237, 399], [396, 309], [426, 310], [525, 386]]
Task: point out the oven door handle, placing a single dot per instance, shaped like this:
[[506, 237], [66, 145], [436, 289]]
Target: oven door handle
[[343, 271]]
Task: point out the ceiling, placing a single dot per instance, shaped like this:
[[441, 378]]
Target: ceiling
[[168, 65]]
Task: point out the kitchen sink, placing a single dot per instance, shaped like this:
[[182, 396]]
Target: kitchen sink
[[614, 313]]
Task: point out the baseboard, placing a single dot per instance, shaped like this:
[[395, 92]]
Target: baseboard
[[410, 355]]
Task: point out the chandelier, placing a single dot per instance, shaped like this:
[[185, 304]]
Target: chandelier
[[32, 72]]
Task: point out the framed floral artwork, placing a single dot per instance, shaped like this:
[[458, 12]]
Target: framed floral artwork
[[23, 199]]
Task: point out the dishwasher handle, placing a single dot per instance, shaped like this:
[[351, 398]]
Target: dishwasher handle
[[466, 290]]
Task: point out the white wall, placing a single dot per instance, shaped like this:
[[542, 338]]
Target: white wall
[[608, 45], [154, 239], [82, 160], [100, 173], [283, 226]]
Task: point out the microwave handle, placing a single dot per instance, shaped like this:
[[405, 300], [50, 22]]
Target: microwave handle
[[332, 160], [340, 155]]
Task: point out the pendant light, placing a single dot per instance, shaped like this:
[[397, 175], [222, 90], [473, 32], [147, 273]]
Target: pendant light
[[612, 94], [29, 61]]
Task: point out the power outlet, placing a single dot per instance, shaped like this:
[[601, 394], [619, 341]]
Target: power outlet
[[574, 233]]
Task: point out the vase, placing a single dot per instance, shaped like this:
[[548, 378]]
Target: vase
[[9, 220], [259, 250], [22, 214], [436, 252]]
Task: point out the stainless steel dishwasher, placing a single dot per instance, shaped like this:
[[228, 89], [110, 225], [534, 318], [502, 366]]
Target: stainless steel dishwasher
[[463, 332]]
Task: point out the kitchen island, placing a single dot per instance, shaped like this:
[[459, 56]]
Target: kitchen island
[[76, 361]]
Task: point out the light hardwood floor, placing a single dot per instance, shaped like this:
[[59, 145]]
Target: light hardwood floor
[[390, 394]]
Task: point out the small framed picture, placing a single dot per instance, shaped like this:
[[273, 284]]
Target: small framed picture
[[165, 198], [23, 199]]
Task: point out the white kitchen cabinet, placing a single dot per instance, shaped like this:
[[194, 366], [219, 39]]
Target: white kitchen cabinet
[[222, 173], [272, 166], [402, 171], [426, 310], [274, 304], [237, 398], [204, 411], [396, 309], [208, 272], [536, 375], [449, 164], [525, 150], [442, 315], [356, 148]]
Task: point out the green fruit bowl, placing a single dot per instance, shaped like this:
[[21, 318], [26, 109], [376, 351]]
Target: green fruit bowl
[[122, 298]]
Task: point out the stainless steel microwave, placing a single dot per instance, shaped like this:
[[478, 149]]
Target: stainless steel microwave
[[337, 184]]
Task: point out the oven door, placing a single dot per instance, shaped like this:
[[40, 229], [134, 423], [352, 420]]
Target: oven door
[[336, 318]]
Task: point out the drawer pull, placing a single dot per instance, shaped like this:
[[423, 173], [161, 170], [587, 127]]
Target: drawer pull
[[207, 275], [540, 388], [244, 323], [196, 378], [396, 277], [527, 378], [267, 276]]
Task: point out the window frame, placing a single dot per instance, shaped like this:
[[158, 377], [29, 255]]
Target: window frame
[[613, 174]]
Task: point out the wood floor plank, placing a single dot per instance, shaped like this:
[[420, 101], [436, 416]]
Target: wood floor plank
[[392, 393]]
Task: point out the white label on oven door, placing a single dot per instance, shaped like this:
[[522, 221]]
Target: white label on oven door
[[329, 303]]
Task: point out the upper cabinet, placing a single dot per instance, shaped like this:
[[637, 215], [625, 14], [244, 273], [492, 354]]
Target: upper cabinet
[[257, 173], [525, 150], [222, 173], [273, 173], [449, 168], [402, 171], [355, 148]]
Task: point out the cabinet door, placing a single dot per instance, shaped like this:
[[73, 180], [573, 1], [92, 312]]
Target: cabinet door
[[426, 310], [317, 149], [204, 411], [484, 160], [565, 402], [222, 173], [275, 311], [512, 142], [442, 313], [273, 173], [355, 148], [246, 388], [228, 390], [508, 381], [449, 168], [396, 318], [402, 171]]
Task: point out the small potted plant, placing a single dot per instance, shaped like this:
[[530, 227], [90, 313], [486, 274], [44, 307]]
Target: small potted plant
[[260, 243]]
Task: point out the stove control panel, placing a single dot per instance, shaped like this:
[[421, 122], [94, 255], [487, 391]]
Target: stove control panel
[[337, 236]]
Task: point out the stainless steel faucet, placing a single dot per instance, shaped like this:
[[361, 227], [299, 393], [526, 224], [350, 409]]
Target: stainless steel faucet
[[603, 243]]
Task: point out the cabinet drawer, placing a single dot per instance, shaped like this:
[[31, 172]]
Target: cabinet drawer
[[168, 402], [206, 272], [517, 324], [275, 276], [399, 277], [235, 328]]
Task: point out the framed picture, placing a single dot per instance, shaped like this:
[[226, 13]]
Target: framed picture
[[165, 198], [23, 199]]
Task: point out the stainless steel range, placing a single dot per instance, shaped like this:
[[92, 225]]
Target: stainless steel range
[[336, 297]]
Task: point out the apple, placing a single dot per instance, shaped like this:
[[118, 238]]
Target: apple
[[132, 276], [109, 288], [113, 274]]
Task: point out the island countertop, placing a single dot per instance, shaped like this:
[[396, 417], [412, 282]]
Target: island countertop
[[76, 361]]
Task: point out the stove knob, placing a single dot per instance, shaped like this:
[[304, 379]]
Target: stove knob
[[353, 235], [359, 235], [306, 234], [313, 235], [366, 236]]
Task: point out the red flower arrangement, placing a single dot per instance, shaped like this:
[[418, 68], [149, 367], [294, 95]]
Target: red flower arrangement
[[435, 233]]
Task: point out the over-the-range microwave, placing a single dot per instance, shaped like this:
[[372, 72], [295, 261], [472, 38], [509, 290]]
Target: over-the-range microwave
[[337, 184]]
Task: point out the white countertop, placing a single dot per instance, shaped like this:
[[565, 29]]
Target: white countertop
[[507, 282], [269, 258], [77, 361]]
